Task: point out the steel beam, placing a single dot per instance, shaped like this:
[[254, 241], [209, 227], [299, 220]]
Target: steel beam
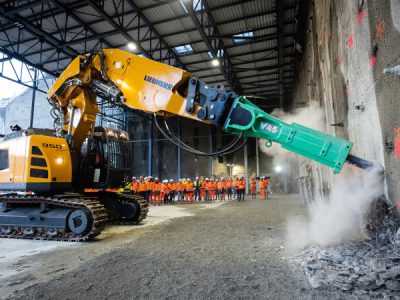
[[280, 26], [216, 45]]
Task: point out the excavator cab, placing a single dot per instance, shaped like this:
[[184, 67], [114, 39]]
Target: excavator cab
[[106, 159]]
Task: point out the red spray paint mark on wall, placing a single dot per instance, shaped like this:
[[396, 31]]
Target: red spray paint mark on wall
[[360, 17], [339, 59], [350, 42], [379, 30], [398, 204], [397, 142], [372, 61], [332, 37]]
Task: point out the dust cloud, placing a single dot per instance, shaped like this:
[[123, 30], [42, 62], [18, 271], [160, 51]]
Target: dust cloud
[[310, 116], [341, 217]]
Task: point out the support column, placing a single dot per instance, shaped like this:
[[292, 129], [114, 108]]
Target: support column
[[33, 98], [257, 160], [246, 169], [210, 149], [179, 149], [150, 147]]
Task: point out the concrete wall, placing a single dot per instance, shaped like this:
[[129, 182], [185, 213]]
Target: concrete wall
[[18, 111], [346, 50]]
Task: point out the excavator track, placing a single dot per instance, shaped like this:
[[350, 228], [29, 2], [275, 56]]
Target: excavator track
[[94, 211], [140, 204]]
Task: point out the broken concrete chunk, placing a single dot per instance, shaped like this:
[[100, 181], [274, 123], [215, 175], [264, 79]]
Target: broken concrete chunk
[[393, 285], [317, 282]]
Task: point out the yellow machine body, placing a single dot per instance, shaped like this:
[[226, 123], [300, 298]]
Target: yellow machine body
[[35, 163], [146, 85]]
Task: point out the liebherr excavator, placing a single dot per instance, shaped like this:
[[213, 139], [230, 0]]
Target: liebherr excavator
[[45, 174]]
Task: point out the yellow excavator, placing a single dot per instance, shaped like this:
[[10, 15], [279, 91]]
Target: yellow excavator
[[47, 177]]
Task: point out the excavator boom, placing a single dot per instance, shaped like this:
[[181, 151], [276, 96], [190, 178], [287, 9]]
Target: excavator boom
[[139, 83]]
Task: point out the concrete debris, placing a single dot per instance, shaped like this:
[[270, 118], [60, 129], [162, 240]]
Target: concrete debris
[[369, 267]]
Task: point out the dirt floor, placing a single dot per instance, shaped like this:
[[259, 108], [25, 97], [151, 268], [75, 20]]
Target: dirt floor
[[235, 250]]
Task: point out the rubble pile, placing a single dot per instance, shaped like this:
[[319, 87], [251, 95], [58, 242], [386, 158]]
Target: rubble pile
[[369, 267]]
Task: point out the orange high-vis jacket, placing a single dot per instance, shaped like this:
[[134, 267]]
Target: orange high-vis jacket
[[261, 184], [221, 185], [242, 184], [134, 186], [229, 183], [253, 183], [149, 185], [236, 184], [189, 187], [156, 187], [209, 186], [172, 186], [142, 186], [203, 184], [266, 182], [180, 186], [164, 188]]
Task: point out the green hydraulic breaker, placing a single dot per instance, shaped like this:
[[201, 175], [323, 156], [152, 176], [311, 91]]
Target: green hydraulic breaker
[[329, 150]]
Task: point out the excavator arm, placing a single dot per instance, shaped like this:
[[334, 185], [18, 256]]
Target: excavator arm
[[122, 78]]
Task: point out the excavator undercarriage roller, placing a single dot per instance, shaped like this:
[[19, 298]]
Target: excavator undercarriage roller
[[67, 217]]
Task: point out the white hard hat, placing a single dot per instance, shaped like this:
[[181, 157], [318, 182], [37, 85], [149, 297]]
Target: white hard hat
[[188, 179], [197, 177], [171, 180]]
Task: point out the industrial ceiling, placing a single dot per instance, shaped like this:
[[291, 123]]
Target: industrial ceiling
[[249, 46]]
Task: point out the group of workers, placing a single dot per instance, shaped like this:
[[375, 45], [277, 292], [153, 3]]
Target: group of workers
[[159, 192]]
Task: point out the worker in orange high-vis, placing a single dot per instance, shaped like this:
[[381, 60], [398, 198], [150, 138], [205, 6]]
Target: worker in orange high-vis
[[202, 188], [241, 189], [142, 188], [229, 188], [207, 186], [236, 188], [149, 188], [164, 193], [189, 190], [213, 189], [172, 191], [156, 191], [253, 188], [180, 188], [221, 189], [134, 185], [261, 185]]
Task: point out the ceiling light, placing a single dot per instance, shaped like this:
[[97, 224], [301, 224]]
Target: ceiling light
[[278, 169], [131, 46], [215, 62]]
